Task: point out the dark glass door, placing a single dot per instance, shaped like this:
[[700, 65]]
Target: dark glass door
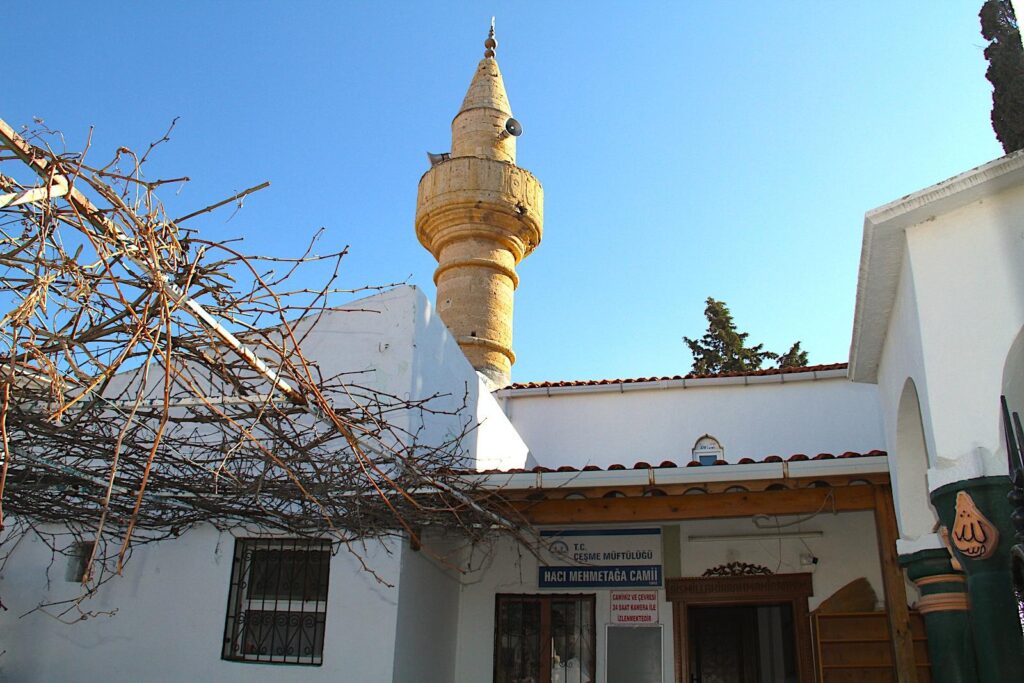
[[742, 644]]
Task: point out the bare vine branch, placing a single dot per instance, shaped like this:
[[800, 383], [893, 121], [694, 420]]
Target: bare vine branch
[[127, 417]]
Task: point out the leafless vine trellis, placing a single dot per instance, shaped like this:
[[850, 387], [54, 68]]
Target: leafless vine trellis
[[130, 411]]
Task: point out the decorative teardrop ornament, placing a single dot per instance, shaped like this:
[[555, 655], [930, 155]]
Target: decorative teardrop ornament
[[973, 535]]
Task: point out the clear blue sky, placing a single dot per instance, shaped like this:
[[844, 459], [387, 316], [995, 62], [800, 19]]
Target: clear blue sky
[[686, 149]]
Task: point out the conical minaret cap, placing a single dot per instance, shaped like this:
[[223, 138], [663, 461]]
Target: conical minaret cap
[[479, 127], [487, 89]]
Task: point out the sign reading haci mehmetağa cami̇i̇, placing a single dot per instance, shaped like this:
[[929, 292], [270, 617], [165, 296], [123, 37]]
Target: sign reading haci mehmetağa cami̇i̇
[[602, 558]]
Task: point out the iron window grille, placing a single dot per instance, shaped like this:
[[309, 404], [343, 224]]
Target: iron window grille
[[277, 606]]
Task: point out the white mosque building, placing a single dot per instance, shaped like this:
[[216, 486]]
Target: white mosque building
[[795, 525]]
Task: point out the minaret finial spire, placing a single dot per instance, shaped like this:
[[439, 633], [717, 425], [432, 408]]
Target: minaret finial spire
[[491, 44]]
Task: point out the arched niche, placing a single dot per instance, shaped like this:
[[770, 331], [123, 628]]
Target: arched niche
[[916, 514], [1013, 375]]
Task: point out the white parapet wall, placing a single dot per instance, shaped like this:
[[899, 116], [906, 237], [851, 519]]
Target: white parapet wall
[[439, 366], [396, 343], [751, 417]]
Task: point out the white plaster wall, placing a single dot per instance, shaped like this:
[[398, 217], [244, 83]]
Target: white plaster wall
[[902, 359], [959, 307], [499, 445], [969, 278], [1013, 375], [372, 341], [755, 420], [171, 606], [395, 343], [846, 550], [428, 613], [440, 365], [915, 515], [438, 368]]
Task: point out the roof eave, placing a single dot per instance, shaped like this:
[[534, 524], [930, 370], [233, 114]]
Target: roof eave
[[664, 383], [655, 476]]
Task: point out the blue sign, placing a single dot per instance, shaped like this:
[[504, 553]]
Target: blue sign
[[624, 576], [601, 558]]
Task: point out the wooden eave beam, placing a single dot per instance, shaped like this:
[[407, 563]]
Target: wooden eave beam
[[699, 506], [677, 488]]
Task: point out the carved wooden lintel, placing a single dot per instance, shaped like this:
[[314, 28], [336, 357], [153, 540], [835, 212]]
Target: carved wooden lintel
[[738, 569], [743, 588]]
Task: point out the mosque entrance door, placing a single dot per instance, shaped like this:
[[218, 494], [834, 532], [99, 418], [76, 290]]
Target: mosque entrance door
[[741, 629], [741, 644]]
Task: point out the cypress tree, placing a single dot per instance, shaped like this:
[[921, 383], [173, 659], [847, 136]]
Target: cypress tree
[[1005, 57]]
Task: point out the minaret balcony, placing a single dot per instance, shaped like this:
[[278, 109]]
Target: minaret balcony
[[473, 197]]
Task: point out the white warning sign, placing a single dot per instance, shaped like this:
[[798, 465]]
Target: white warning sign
[[634, 608]]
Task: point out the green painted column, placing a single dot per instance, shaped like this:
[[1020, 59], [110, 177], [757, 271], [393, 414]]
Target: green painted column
[[994, 622], [944, 606]]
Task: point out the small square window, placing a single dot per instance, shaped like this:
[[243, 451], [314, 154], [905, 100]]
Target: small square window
[[78, 561], [277, 608]]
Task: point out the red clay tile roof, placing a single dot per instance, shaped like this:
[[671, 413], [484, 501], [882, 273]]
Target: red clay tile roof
[[641, 465], [634, 380]]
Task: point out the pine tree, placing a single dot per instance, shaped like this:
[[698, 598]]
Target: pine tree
[[724, 349], [1005, 57]]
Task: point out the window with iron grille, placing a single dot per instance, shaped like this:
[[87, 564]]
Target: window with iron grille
[[277, 606]]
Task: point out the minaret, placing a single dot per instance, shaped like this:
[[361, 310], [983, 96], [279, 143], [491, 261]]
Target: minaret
[[479, 215]]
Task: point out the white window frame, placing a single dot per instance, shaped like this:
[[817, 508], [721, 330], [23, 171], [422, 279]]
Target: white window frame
[[703, 457]]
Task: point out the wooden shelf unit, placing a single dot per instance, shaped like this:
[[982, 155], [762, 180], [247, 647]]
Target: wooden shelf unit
[[854, 647]]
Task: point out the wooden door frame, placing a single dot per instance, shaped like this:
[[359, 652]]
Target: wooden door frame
[[545, 600], [792, 589]]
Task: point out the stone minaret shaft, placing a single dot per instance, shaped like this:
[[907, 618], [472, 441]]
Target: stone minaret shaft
[[479, 215]]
